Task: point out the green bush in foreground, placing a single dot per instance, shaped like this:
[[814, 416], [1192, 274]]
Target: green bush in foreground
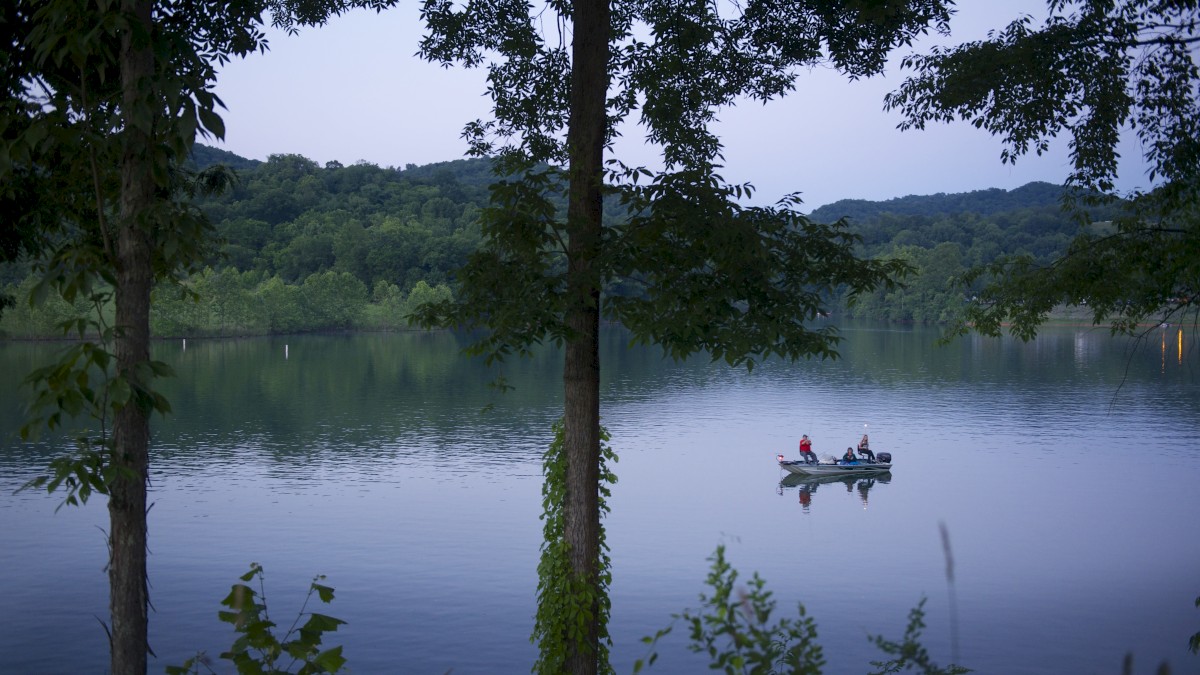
[[734, 630], [257, 650]]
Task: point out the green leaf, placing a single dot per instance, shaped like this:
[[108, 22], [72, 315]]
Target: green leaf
[[321, 623], [325, 593], [119, 393], [331, 659], [212, 122]]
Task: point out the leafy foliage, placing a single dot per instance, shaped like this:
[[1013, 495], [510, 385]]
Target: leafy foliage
[[742, 285], [929, 294], [84, 384], [1135, 272], [938, 236], [943, 236], [1092, 70], [566, 601], [741, 262], [734, 629], [257, 650], [291, 218], [229, 303], [909, 653], [1036, 195]]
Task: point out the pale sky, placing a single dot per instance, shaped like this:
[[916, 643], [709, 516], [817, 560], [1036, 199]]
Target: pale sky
[[353, 91]]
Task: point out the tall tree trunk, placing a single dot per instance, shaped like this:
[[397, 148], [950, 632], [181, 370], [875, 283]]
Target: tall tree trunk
[[581, 373], [128, 599]]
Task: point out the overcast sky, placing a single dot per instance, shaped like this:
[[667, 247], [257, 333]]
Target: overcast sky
[[353, 91]]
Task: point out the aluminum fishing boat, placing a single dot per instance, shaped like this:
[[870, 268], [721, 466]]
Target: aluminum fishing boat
[[839, 467]]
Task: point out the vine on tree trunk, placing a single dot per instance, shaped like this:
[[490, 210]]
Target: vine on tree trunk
[[566, 601]]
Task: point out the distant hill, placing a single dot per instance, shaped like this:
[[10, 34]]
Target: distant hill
[[384, 231], [204, 156], [980, 202], [984, 223], [471, 172], [476, 173]]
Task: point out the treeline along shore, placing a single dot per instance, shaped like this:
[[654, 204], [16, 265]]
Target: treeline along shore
[[306, 248]]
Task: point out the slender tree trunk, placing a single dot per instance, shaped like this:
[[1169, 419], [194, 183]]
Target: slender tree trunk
[[128, 600], [581, 373]]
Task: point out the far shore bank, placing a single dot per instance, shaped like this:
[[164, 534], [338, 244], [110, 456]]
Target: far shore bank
[[1063, 317]]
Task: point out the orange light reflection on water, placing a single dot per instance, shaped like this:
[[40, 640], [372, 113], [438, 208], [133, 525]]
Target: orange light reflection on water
[[1178, 348]]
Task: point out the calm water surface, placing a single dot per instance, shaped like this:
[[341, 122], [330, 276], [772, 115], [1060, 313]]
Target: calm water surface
[[1065, 472]]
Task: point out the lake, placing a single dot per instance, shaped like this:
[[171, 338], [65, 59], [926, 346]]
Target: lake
[[1064, 471]]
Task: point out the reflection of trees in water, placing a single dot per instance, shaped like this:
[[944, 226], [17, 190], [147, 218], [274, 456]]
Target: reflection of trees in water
[[389, 395], [293, 399], [1058, 353], [807, 486]]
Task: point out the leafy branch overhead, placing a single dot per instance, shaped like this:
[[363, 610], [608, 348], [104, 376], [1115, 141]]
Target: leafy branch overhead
[[736, 282], [1092, 72], [686, 266]]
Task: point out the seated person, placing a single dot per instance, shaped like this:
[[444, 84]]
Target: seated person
[[864, 449], [849, 456]]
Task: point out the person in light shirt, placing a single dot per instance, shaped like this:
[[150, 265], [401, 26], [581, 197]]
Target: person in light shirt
[[864, 449]]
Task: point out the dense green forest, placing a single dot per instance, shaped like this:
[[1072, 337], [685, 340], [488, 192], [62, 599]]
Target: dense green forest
[[308, 247], [943, 235]]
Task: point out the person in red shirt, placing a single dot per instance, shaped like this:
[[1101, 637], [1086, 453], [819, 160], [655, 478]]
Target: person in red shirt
[[806, 452], [805, 497]]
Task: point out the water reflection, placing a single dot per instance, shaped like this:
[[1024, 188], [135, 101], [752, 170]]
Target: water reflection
[[807, 485], [378, 446], [1166, 329]]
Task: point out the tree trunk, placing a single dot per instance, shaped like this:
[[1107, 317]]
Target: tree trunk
[[128, 599], [581, 373]]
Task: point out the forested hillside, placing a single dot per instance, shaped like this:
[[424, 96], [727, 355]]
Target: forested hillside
[[204, 156], [982, 202], [289, 217], [310, 247], [943, 235], [306, 247]]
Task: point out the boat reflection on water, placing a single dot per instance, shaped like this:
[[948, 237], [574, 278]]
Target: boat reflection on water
[[807, 485]]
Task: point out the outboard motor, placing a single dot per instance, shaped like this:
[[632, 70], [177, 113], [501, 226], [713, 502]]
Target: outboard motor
[[885, 457]]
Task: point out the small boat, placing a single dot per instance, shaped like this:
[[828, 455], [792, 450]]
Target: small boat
[[858, 467]]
